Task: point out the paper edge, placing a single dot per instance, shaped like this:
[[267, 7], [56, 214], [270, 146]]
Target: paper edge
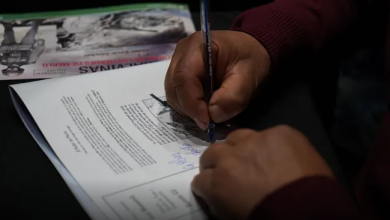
[[78, 192]]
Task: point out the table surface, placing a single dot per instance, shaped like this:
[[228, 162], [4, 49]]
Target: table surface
[[31, 188]]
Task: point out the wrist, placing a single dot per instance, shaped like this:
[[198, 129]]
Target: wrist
[[259, 53]]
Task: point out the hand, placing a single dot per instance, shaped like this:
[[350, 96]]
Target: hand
[[239, 174], [240, 63]]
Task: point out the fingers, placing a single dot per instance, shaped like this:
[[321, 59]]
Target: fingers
[[235, 92], [183, 82], [236, 71], [201, 184], [170, 91], [187, 80], [213, 155]]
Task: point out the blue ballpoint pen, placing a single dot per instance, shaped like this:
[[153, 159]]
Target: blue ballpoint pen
[[206, 37]]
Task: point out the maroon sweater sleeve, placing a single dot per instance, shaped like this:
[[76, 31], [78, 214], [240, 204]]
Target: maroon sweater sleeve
[[318, 198], [298, 27]]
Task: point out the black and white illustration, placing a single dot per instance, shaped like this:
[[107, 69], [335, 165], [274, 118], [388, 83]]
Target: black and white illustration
[[121, 29], [183, 127], [52, 41], [23, 44]]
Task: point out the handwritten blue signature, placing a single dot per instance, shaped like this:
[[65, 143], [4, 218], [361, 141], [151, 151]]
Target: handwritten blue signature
[[179, 157], [190, 150]]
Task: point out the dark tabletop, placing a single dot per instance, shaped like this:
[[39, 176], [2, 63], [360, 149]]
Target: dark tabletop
[[31, 188]]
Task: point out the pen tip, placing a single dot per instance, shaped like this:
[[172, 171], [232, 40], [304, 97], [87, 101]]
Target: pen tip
[[211, 139]]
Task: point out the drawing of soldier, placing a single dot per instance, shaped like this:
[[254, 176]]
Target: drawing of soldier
[[13, 54]]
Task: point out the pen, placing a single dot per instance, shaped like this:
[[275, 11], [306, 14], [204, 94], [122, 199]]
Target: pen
[[163, 103], [206, 40]]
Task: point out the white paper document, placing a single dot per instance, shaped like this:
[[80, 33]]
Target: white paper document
[[122, 153]]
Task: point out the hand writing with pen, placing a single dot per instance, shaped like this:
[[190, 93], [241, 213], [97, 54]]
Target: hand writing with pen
[[239, 174]]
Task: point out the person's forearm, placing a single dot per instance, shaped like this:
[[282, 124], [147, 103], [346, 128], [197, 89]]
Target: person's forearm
[[319, 198], [297, 27]]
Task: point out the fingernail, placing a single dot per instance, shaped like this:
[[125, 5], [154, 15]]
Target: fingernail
[[217, 114], [202, 125]]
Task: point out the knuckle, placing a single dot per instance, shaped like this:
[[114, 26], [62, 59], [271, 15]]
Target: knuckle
[[239, 133], [226, 164], [226, 167], [285, 129], [213, 154], [213, 150], [195, 35], [216, 147], [285, 132], [180, 78], [181, 43], [255, 136], [242, 131]]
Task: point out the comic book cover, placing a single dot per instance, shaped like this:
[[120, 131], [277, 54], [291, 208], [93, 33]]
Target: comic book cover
[[56, 44]]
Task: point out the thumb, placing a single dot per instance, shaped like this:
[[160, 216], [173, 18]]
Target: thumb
[[235, 93]]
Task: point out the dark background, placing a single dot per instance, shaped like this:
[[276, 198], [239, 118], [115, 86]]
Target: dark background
[[30, 187]]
